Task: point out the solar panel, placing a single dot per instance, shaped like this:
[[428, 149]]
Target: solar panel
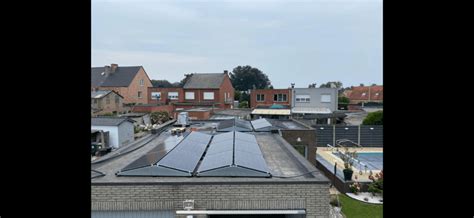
[[216, 161], [220, 147], [242, 125], [223, 137], [236, 156], [180, 161], [245, 137], [226, 125], [252, 161], [260, 123], [234, 125], [248, 147], [187, 154]]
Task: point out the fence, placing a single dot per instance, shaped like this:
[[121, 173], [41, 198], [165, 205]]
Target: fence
[[365, 135]]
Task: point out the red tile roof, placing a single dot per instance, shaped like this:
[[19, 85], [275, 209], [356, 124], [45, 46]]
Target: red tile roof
[[357, 93]]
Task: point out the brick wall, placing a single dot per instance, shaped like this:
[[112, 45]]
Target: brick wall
[[312, 197], [148, 109], [268, 97], [164, 95], [135, 87], [226, 87]]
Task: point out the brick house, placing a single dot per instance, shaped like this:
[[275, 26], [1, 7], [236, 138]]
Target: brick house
[[204, 90], [269, 97], [270, 103], [131, 82], [106, 101], [365, 94]]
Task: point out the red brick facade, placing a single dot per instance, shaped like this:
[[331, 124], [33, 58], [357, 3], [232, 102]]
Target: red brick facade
[[130, 93], [223, 97], [268, 97]]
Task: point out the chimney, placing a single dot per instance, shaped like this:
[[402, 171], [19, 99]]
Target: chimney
[[114, 67], [106, 70], [292, 85]]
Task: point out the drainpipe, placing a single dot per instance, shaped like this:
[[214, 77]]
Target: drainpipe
[[334, 135]]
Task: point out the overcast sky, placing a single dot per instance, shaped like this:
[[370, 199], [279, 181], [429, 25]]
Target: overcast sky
[[290, 41]]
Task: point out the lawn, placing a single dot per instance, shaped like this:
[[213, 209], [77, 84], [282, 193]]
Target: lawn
[[357, 209]]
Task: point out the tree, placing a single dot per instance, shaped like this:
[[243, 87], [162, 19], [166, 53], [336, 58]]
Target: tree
[[374, 118], [159, 117], [186, 78], [312, 85], [244, 97], [373, 84], [161, 83], [247, 77], [244, 104], [337, 84], [237, 95], [343, 100], [362, 84]]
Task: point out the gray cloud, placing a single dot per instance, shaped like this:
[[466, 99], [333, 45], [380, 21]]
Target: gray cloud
[[290, 41]]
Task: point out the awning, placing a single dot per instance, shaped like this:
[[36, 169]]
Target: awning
[[237, 212], [272, 111], [311, 110]]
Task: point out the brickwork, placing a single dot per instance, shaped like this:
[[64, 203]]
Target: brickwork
[[312, 197], [268, 97], [130, 93]]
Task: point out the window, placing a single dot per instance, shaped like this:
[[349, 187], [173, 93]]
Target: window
[[208, 95], [260, 97], [279, 97], [139, 94], [377, 94], [189, 95], [117, 99], [107, 99], [363, 94], [142, 82], [173, 95], [325, 98], [303, 98], [156, 95]]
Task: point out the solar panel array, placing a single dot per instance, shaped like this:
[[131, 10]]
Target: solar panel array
[[180, 161], [233, 154], [230, 154]]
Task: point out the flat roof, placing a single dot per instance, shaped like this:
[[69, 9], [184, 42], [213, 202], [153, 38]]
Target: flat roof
[[284, 163]]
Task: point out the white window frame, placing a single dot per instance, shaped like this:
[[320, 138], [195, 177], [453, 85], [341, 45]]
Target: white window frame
[[188, 97], [262, 97], [208, 95], [173, 96], [303, 98], [153, 95], [326, 98], [142, 83]]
